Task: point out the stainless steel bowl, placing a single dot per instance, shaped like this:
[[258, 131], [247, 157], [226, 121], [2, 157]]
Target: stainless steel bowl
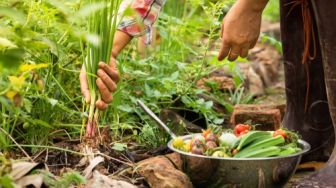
[[247, 172]]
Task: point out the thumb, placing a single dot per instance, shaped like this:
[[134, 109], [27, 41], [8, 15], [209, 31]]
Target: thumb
[[225, 47], [84, 85], [113, 64]]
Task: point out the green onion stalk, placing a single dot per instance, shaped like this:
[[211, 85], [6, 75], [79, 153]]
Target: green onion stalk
[[102, 23]]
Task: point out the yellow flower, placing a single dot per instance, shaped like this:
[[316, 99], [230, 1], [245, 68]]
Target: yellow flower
[[30, 67], [11, 94], [16, 82]]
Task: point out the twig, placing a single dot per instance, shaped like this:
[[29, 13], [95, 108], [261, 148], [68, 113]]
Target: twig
[[120, 161], [38, 154], [18, 145], [47, 156], [55, 148]]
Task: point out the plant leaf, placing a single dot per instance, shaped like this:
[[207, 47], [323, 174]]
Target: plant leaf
[[13, 14], [119, 146], [5, 43]]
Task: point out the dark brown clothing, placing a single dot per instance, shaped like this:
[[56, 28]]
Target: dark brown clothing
[[317, 122]]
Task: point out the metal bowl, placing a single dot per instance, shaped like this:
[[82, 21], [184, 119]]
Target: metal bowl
[[246, 172]]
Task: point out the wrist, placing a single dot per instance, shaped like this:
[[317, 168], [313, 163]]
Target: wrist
[[255, 5]]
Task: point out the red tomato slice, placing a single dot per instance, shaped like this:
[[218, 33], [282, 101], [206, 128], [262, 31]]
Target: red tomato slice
[[241, 129]]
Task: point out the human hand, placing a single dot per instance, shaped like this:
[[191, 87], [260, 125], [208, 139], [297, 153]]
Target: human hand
[[241, 29], [108, 77]]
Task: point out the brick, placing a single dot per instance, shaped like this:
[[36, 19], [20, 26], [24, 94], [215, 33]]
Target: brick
[[267, 117]]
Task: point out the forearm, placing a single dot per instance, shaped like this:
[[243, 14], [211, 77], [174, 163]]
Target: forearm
[[121, 39]]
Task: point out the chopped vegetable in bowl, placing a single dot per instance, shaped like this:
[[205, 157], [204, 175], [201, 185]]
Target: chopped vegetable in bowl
[[242, 142]]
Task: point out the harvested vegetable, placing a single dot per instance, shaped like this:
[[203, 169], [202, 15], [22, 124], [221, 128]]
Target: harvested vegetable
[[280, 132], [103, 24], [228, 139], [178, 143], [248, 143], [211, 144], [241, 129]]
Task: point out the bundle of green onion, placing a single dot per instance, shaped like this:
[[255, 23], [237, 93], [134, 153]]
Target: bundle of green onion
[[102, 23]]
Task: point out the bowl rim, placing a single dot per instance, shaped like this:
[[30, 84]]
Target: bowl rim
[[304, 145]]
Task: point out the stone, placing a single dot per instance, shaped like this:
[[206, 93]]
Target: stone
[[161, 172]]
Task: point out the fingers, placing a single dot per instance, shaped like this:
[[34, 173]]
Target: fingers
[[109, 83], [225, 47], [234, 53], [224, 51], [111, 70], [84, 85], [108, 76], [244, 52], [105, 93], [101, 105]]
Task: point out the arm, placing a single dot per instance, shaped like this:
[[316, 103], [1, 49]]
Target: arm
[[241, 28], [108, 75]]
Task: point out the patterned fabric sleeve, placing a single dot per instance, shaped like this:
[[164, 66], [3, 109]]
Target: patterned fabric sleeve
[[143, 16]]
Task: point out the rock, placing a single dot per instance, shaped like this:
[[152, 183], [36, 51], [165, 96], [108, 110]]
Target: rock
[[161, 172], [268, 117], [176, 159]]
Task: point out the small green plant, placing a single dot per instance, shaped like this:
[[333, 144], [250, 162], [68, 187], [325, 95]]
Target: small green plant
[[66, 180], [272, 41], [238, 96]]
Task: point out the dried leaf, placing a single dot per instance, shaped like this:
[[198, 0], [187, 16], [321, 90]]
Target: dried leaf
[[20, 169], [35, 180], [93, 163], [100, 180]]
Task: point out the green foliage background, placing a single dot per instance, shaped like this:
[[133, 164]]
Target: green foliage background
[[47, 104]]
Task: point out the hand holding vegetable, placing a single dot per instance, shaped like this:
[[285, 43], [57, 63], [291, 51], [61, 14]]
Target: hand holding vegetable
[[108, 77], [108, 74], [240, 28]]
